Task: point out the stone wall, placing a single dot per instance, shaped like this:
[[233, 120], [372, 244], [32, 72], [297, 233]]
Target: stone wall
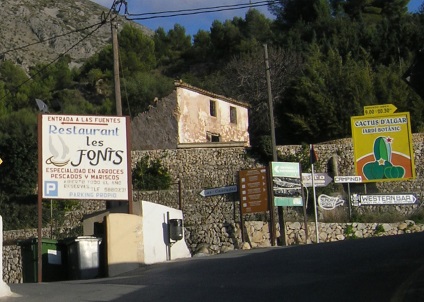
[[212, 224], [219, 238], [223, 237]]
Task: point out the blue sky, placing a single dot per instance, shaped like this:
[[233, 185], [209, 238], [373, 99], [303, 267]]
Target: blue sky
[[193, 23]]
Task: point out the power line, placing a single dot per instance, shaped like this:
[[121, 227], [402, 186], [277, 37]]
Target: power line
[[98, 25], [195, 11], [103, 18], [51, 38]]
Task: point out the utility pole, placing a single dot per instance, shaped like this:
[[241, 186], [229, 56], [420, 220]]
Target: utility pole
[[115, 47], [274, 154]]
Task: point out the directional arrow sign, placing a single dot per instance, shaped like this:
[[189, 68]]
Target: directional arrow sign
[[218, 191], [379, 109], [320, 179], [387, 199], [347, 179]]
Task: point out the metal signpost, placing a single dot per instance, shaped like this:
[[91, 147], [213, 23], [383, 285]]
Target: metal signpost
[[348, 180], [287, 189]]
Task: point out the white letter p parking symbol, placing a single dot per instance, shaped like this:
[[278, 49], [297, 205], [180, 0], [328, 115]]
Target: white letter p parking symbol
[[50, 188]]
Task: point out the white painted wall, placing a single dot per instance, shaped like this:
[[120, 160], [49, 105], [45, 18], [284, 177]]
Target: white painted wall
[[155, 234], [4, 288]]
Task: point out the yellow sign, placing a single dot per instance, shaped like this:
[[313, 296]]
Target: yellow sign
[[383, 147], [379, 109]]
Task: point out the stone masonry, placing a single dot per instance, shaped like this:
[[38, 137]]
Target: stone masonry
[[212, 224]]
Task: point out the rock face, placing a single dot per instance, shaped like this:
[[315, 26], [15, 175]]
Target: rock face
[[35, 31]]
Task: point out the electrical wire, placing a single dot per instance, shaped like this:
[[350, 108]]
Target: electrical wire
[[195, 11], [98, 26], [51, 38]]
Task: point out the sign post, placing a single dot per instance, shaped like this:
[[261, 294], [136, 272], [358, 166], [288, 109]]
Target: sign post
[[253, 184], [82, 157], [348, 180]]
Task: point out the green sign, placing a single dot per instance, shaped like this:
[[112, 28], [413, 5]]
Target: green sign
[[288, 202], [287, 184]]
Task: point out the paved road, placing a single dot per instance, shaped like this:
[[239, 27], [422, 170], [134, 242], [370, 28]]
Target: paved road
[[377, 269]]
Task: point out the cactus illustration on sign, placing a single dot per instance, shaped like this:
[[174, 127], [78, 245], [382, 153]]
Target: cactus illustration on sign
[[382, 166]]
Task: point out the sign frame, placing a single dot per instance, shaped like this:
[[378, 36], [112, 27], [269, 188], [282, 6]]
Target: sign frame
[[384, 199], [383, 147], [84, 157], [320, 179], [287, 184], [253, 184]]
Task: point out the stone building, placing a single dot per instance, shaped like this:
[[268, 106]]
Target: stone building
[[191, 117]]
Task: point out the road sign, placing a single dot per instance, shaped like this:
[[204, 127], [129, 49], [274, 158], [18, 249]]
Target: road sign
[[347, 179], [384, 199], [253, 190], [218, 191], [320, 179], [379, 109], [286, 182]]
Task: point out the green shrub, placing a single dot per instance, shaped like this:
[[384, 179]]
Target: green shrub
[[349, 232], [150, 175]]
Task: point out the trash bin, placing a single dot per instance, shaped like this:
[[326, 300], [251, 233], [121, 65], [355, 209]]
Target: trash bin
[[176, 229], [53, 260], [83, 257]]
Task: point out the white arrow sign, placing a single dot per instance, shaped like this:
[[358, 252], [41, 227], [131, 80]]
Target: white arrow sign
[[387, 199], [347, 179], [218, 191], [320, 179]]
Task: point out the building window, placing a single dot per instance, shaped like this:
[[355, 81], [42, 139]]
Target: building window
[[213, 137], [233, 115], [212, 106]]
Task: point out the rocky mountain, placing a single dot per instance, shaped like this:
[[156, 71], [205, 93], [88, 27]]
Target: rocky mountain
[[34, 31]]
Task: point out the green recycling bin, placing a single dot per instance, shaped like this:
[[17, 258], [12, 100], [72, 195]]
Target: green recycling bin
[[53, 260]]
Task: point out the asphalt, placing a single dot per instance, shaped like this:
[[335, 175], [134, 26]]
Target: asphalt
[[142, 283], [72, 291]]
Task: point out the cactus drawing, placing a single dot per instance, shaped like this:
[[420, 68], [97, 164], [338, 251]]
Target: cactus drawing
[[382, 166]]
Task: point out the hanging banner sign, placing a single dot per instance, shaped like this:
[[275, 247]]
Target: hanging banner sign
[[383, 147], [84, 157], [287, 184]]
